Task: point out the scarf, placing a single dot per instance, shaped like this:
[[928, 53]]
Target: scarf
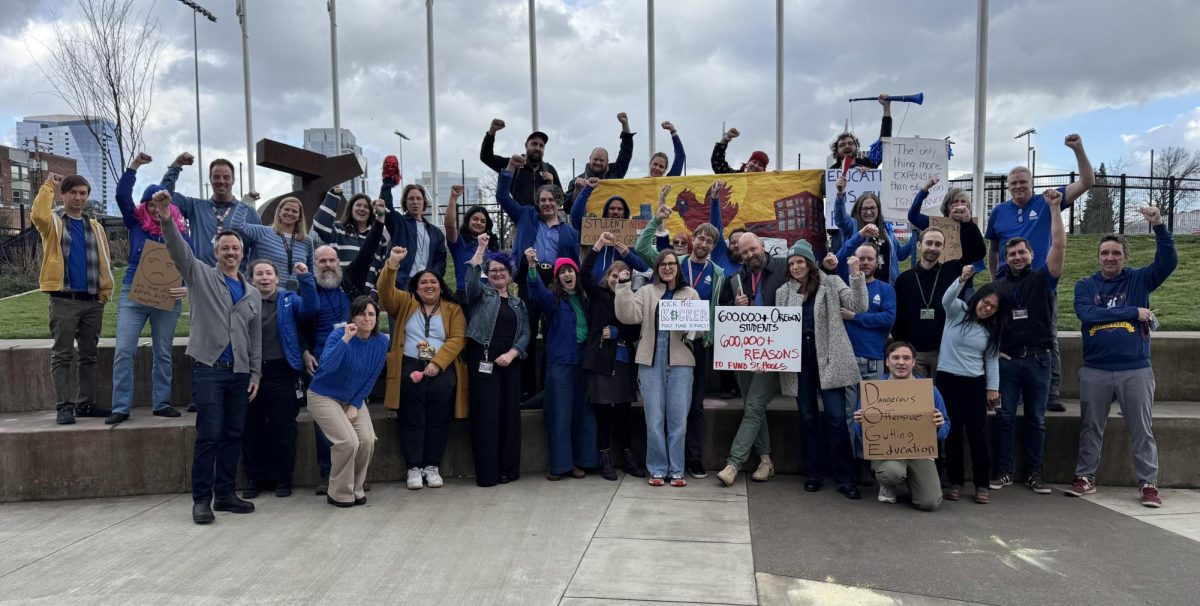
[[93, 254]]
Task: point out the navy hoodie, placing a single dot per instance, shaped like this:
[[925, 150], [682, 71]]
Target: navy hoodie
[[608, 254], [1113, 338]]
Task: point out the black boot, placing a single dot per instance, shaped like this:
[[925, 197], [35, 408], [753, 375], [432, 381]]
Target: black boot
[[606, 465], [632, 467], [66, 414]]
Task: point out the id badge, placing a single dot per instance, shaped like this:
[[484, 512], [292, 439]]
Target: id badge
[[299, 390], [1020, 313], [872, 366], [927, 313], [485, 368], [292, 284], [425, 351]]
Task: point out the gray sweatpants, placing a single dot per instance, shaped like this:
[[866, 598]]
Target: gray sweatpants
[[920, 475], [1134, 390]]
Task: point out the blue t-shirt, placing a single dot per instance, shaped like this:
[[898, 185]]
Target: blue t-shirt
[[700, 277], [545, 242], [77, 257], [461, 250], [237, 290], [1031, 222]]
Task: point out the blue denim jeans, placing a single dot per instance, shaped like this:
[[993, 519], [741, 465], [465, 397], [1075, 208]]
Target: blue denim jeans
[[221, 403], [666, 399], [131, 317], [570, 422], [1025, 380], [841, 458]]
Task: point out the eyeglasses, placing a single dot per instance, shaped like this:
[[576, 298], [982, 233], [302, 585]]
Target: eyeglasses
[[497, 272], [669, 264], [679, 243]]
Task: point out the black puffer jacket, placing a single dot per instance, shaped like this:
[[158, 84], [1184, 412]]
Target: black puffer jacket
[[600, 354]]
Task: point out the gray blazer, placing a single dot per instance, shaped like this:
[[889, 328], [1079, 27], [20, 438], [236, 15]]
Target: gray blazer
[[216, 320], [836, 364]]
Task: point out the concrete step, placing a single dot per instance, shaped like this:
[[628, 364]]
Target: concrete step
[[148, 455]]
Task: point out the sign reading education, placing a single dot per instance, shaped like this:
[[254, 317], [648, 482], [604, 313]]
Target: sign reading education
[[683, 315], [156, 276], [758, 338], [907, 165], [897, 419], [857, 183]]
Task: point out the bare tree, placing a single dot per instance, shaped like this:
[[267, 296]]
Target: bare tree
[[102, 64], [1179, 163]]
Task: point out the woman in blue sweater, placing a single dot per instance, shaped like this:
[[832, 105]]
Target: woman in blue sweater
[[463, 240], [570, 423], [132, 316], [337, 399], [968, 375], [868, 212], [284, 243]]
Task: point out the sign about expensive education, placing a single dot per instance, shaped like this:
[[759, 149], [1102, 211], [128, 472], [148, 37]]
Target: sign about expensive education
[[683, 315], [907, 165], [758, 338], [897, 419]]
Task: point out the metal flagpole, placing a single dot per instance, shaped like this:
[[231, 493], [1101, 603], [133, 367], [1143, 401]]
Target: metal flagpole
[[533, 89], [650, 70], [241, 13], [333, 46], [981, 44], [433, 193], [779, 81]]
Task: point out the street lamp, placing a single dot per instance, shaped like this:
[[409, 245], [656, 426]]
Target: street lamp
[[1030, 153], [198, 10], [403, 138]]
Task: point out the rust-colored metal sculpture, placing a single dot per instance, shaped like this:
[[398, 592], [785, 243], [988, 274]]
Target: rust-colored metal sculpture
[[317, 174]]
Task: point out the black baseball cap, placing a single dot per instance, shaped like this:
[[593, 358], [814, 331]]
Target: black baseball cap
[[537, 134]]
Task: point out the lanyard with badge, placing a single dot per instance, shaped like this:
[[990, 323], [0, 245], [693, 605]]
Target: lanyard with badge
[[220, 217], [927, 311], [485, 365], [425, 351], [691, 273], [1020, 310], [288, 242]]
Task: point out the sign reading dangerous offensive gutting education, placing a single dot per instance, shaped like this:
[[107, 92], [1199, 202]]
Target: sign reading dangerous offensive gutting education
[[858, 182], [758, 338], [683, 315], [897, 419], [907, 165]]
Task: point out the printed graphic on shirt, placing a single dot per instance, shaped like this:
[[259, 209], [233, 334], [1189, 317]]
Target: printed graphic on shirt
[[1112, 326]]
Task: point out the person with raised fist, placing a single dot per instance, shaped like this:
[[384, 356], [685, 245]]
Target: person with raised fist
[[462, 239], [756, 164], [846, 146], [76, 272], [347, 231], [527, 177], [209, 216], [867, 212], [285, 243], [614, 208], [659, 161], [598, 165]]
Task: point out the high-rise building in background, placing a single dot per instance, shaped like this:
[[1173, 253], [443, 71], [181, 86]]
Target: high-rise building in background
[[470, 197], [322, 141], [70, 136]]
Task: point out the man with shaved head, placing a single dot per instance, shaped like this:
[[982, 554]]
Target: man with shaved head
[[598, 165]]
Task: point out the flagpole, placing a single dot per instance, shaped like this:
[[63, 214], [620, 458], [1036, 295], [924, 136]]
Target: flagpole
[[650, 71], [981, 44]]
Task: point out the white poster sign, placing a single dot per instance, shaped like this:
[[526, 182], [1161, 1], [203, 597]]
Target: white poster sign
[[683, 315], [907, 165], [758, 338], [857, 183]]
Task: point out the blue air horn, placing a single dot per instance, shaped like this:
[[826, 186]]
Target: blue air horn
[[917, 98]]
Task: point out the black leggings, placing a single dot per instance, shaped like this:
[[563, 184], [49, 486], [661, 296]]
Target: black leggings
[[609, 417], [966, 405]]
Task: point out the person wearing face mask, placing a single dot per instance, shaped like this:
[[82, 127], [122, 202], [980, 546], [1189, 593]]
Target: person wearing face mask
[[827, 361], [427, 382], [209, 216], [269, 450], [410, 231], [285, 243], [529, 176], [969, 376], [462, 240], [614, 208], [598, 165], [337, 399], [497, 339], [1026, 346], [956, 204], [866, 220], [570, 423], [659, 161], [756, 164], [347, 232]]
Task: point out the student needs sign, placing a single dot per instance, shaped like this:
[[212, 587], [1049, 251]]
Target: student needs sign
[[897, 419], [758, 338], [683, 315]]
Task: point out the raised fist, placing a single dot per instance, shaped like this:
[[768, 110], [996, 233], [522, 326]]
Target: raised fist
[[1152, 214], [300, 269], [140, 159], [1074, 142], [931, 183], [667, 126], [456, 190], [497, 125], [1053, 197], [482, 241], [732, 134], [184, 159], [869, 231], [851, 262], [397, 256], [664, 212], [592, 182], [623, 275], [516, 161], [351, 330], [54, 178], [531, 256], [841, 186], [967, 272], [623, 119], [337, 190], [831, 261]]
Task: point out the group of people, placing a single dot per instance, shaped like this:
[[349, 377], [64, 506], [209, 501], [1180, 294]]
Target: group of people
[[269, 335]]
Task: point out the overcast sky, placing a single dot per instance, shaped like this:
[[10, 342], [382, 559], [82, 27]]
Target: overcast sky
[[1123, 75]]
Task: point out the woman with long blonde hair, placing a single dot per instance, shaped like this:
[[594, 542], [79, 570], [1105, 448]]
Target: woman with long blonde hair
[[284, 243]]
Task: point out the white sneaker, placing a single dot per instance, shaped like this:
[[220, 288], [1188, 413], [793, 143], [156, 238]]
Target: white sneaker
[[433, 477], [886, 495], [415, 479]]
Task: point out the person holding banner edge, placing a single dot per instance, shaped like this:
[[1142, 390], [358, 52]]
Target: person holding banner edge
[[920, 475]]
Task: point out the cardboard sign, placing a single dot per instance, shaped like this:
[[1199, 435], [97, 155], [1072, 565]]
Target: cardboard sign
[[898, 419], [758, 338], [907, 165], [683, 315], [953, 230], [857, 183], [625, 230], [156, 276]]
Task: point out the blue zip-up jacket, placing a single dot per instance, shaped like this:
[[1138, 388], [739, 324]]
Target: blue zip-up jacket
[[202, 218], [720, 251], [527, 219], [938, 403], [349, 371], [561, 344], [868, 330], [484, 303], [846, 224], [1113, 338], [918, 221], [291, 308], [137, 235], [608, 254]]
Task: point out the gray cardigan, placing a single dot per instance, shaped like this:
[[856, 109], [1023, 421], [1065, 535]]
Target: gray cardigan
[[836, 364], [216, 320]]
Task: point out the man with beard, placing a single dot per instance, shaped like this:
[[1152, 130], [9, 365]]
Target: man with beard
[[209, 216], [707, 278], [1026, 345], [756, 164], [598, 165], [528, 177], [755, 285]]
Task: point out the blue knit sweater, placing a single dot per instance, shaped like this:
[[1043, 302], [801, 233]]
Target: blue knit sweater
[[348, 371]]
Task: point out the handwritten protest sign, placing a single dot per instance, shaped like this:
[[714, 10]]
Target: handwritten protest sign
[[625, 230], [907, 165], [758, 338], [857, 183], [953, 229], [683, 315], [898, 419], [156, 275]]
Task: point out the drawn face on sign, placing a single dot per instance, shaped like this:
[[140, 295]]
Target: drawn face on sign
[[158, 268]]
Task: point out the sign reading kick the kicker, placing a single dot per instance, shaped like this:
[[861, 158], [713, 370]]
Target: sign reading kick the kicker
[[758, 338]]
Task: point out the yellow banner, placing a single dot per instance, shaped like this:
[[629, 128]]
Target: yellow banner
[[781, 205]]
